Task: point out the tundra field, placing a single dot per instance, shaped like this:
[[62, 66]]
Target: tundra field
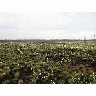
[[48, 63]]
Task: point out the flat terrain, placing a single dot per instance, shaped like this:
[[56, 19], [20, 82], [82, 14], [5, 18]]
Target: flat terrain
[[47, 63]]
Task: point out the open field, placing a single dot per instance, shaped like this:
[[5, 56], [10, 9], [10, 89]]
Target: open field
[[48, 63]]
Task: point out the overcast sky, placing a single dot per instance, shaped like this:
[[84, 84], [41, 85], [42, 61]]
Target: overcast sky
[[57, 25]]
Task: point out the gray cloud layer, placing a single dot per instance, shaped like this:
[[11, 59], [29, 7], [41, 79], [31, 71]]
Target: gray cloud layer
[[47, 25]]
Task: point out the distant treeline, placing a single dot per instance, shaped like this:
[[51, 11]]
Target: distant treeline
[[48, 41]]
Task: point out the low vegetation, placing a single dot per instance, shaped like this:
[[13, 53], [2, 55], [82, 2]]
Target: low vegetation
[[48, 63]]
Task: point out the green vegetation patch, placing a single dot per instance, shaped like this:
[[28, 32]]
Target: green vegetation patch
[[48, 63]]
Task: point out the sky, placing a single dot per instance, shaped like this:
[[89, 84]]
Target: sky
[[47, 19], [51, 25]]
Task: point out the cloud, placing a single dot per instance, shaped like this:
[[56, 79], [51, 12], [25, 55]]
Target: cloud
[[72, 25]]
